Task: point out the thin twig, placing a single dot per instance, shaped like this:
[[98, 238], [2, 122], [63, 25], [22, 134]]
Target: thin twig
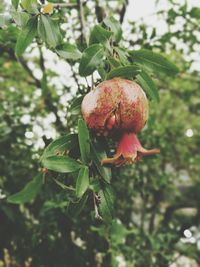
[[29, 71], [82, 20], [63, 5]]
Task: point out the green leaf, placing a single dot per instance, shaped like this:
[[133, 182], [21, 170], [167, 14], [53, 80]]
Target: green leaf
[[62, 164], [26, 36], [126, 72], [63, 186], [84, 141], [20, 18], [115, 27], [29, 192], [74, 209], [114, 63], [82, 182], [102, 72], [118, 232], [68, 51], [106, 203], [30, 6], [60, 145], [148, 85], [49, 31], [122, 54], [98, 153], [91, 59], [153, 61], [75, 107], [15, 3], [195, 12], [4, 20], [100, 35]]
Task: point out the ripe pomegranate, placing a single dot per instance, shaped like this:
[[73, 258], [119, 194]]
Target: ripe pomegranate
[[118, 108]]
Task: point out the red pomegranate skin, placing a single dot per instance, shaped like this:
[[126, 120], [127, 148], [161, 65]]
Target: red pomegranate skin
[[118, 107], [123, 99]]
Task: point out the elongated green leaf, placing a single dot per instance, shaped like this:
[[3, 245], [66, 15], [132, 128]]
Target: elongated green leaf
[[148, 85], [153, 61], [84, 141], [20, 18], [60, 145], [26, 36], [75, 107], [49, 31], [30, 5], [98, 153], [82, 182], [68, 51], [91, 59], [126, 72], [106, 203], [115, 27], [62, 164], [122, 54], [113, 62], [74, 209], [15, 3], [63, 186], [100, 35], [29, 192]]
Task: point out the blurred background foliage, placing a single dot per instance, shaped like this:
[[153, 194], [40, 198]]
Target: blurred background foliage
[[157, 207]]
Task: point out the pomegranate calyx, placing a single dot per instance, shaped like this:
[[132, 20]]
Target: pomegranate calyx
[[129, 150]]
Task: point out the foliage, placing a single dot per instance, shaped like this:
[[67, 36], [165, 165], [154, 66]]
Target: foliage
[[84, 213]]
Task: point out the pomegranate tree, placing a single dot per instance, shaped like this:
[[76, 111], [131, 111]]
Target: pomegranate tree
[[118, 108]]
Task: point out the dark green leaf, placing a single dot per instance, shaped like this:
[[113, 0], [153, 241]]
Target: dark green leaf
[[49, 31], [126, 72], [84, 141], [60, 145], [26, 36], [98, 153], [114, 63], [74, 209], [75, 107], [115, 27], [100, 35], [82, 182], [20, 18], [91, 59], [15, 3], [68, 51], [148, 85], [153, 61], [195, 12], [62, 164], [29, 192], [106, 203], [102, 72]]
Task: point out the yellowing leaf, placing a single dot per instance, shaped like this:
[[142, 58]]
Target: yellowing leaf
[[47, 9]]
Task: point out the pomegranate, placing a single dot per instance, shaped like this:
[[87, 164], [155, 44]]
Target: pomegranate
[[118, 108]]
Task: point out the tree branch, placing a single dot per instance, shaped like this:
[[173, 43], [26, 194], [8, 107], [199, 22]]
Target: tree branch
[[82, 20], [123, 11], [63, 5]]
